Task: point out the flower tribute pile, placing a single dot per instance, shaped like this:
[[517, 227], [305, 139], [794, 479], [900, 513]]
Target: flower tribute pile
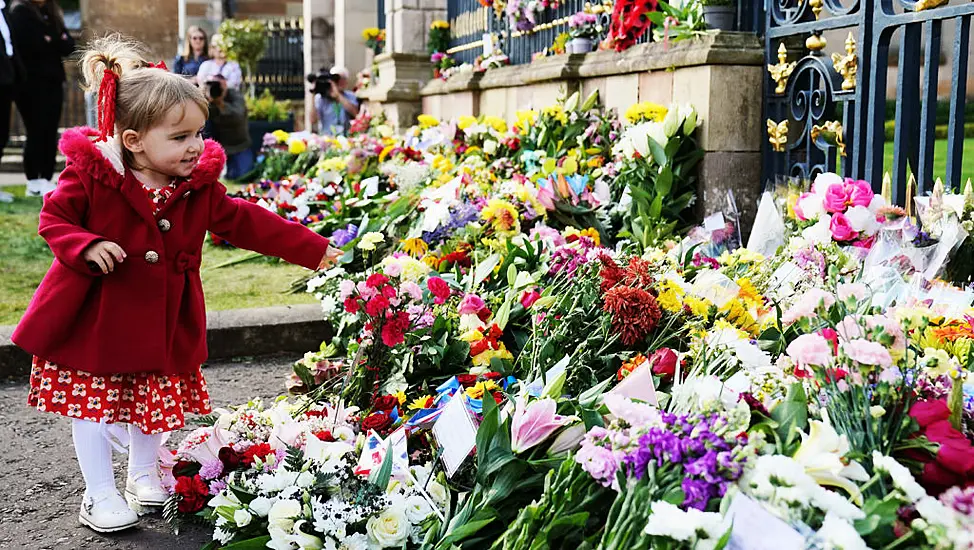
[[534, 348]]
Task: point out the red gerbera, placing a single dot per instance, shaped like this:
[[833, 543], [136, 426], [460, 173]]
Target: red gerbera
[[634, 311]]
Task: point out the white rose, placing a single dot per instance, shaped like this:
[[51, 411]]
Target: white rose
[[279, 539], [439, 493], [820, 233], [824, 180], [862, 220], [305, 479], [242, 518], [261, 506], [388, 529], [417, 509], [283, 514]]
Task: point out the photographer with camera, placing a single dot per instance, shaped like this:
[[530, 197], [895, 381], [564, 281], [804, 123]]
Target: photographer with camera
[[228, 125], [335, 107]]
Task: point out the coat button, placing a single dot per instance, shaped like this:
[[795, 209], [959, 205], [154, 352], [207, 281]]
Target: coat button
[[186, 195], [164, 225], [152, 256]]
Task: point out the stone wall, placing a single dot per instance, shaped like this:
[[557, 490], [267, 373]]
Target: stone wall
[[721, 75], [155, 23]]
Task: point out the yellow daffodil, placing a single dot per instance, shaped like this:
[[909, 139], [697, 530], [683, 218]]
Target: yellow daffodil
[[280, 135], [480, 388], [415, 247], [466, 121], [427, 121], [497, 123], [297, 146]]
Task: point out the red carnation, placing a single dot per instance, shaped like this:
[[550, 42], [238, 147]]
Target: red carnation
[[478, 347], [260, 450], [376, 280], [634, 311], [394, 331], [385, 403], [325, 436], [351, 305], [377, 305], [194, 493], [953, 465], [663, 362], [832, 336], [439, 289], [389, 292], [376, 421]]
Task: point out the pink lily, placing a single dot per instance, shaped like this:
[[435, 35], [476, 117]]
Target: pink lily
[[534, 423]]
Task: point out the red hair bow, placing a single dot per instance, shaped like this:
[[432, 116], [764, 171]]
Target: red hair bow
[[159, 65], [106, 101]]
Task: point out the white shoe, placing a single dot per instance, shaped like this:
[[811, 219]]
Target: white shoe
[[6, 197], [46, 187], [35, 187], [107, 513], [145, 492]]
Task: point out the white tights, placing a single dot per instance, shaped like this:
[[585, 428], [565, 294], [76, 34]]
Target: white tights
[[95, 455]]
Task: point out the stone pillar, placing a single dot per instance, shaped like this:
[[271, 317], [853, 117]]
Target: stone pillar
[[319, 44], [155, 24], [404, 68], [351, 16]]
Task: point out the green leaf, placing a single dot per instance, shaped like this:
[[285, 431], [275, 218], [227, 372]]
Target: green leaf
[[456, 353], [659, 154], [256, 543], [791, 416], [664, 182], [381, 478], [485, 268], [657, 207], [462, 532]]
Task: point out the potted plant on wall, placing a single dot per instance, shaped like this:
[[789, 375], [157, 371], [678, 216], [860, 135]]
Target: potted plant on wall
[[719, 14], [244, 41], [266, 114], [582, 27]]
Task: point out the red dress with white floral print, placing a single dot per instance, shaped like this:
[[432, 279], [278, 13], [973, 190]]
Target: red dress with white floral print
[[155, 403]]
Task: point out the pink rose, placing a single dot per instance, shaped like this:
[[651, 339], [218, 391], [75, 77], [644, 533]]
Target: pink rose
[[471, 305], [841, 228], [810, 349], [860, 192], [836, 198], [867, 353]]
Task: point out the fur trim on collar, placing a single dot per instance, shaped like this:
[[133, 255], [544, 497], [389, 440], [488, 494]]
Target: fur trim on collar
[[103, 160]]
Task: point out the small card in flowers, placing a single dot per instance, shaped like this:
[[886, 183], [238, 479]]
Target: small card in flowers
[[456, 434], [638, 385], [756, 529]]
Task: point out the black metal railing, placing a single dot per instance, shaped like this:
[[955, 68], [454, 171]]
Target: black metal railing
[[281, 70], [469, 21], [381, 11], [829, 112]]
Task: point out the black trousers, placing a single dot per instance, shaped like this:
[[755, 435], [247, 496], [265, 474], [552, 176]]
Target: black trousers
[[6, 102], [39, 104]]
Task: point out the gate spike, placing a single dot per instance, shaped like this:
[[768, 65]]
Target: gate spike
[[969, 191], [910, 190], [887, 191]]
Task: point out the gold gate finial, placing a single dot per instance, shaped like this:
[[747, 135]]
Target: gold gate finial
[[847, 65], [782, 70], [778, 135]]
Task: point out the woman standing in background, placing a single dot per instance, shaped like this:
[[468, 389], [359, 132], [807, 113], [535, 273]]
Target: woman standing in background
[[219, 65], [194, 55], [40, 37]]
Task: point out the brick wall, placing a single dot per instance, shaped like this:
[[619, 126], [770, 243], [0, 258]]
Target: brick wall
[[155, 23]]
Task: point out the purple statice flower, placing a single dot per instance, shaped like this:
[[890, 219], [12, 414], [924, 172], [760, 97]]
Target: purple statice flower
[[460, 216], [344, 236], [279, 454], [812, 261], [211, 470]]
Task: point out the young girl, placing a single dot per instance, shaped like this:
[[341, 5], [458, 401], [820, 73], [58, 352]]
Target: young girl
[[118, 327]]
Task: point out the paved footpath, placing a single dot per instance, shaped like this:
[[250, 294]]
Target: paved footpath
[[41, 487]]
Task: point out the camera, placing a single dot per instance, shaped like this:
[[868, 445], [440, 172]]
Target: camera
[[321, 81], [214, 89]]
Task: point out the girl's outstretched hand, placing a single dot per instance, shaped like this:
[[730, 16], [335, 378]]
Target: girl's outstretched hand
[[103, 255], [331, 257]]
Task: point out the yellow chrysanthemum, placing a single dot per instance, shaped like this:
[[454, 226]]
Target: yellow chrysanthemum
[[370, 33], [297, 146], [483, 359], [432, 261], [670, 295], [738, 314], [440, 24], [280, 135], [415, 247], [526, 119], [497, 123], [644, 111], [480, 388], [427, 121], [466, 121], [502, 216], [698, 306]]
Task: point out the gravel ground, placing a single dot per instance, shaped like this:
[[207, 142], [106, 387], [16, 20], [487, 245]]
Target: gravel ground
[[41, 486]]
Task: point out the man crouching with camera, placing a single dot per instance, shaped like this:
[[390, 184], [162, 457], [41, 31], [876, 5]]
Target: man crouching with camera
[[228, 125], [335, 106]]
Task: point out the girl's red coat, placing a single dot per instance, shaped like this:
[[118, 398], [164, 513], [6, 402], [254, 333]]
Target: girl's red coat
[[148, 314]]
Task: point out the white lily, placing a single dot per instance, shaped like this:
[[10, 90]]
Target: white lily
[[821, 454]]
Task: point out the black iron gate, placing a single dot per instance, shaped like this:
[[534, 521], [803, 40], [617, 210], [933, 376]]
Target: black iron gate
[[829, 112]]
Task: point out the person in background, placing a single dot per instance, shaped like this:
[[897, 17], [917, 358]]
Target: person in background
[[40, 37], [11, 76], [227, 125], [335, 105], [218, 64], [195, 53]]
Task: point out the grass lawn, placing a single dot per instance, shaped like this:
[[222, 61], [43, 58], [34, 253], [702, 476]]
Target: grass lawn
[[940, 159], [25, 258]]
